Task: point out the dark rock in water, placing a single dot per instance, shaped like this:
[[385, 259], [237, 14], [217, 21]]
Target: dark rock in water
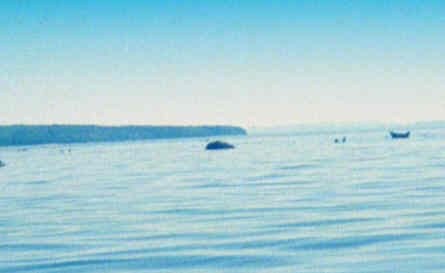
[[217, 145], [2, 164]]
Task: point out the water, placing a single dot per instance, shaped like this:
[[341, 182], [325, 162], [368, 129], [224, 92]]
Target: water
[[289, 203]]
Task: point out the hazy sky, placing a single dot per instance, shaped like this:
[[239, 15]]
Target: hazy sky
[[221, 62]]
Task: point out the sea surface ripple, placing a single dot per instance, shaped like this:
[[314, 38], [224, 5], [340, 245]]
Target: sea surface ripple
[[277, 203]]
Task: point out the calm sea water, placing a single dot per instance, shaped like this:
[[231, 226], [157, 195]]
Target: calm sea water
[[289, 203]]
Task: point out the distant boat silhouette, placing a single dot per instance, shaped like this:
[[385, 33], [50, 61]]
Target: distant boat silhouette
[[399, 135]]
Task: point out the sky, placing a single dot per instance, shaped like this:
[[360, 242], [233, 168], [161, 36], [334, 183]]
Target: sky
[[248, 63]]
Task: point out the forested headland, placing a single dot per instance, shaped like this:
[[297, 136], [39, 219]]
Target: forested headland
[[46, 134]]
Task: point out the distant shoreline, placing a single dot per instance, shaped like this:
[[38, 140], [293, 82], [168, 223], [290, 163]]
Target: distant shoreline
[[17, 135]]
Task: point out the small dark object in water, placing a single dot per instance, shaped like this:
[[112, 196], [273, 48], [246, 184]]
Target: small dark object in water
[[399, 135], [2, 164], [343, 140], [217, 145]]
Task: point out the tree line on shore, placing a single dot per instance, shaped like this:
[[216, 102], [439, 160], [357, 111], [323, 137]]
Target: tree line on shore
[[46, 134]]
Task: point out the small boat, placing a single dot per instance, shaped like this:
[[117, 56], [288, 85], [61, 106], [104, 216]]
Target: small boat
[[399, 135]]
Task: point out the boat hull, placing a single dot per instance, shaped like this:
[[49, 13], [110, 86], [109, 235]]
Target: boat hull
[[399, 135]]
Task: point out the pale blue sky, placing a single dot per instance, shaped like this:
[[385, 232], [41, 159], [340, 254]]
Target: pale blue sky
[[248, 63]]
